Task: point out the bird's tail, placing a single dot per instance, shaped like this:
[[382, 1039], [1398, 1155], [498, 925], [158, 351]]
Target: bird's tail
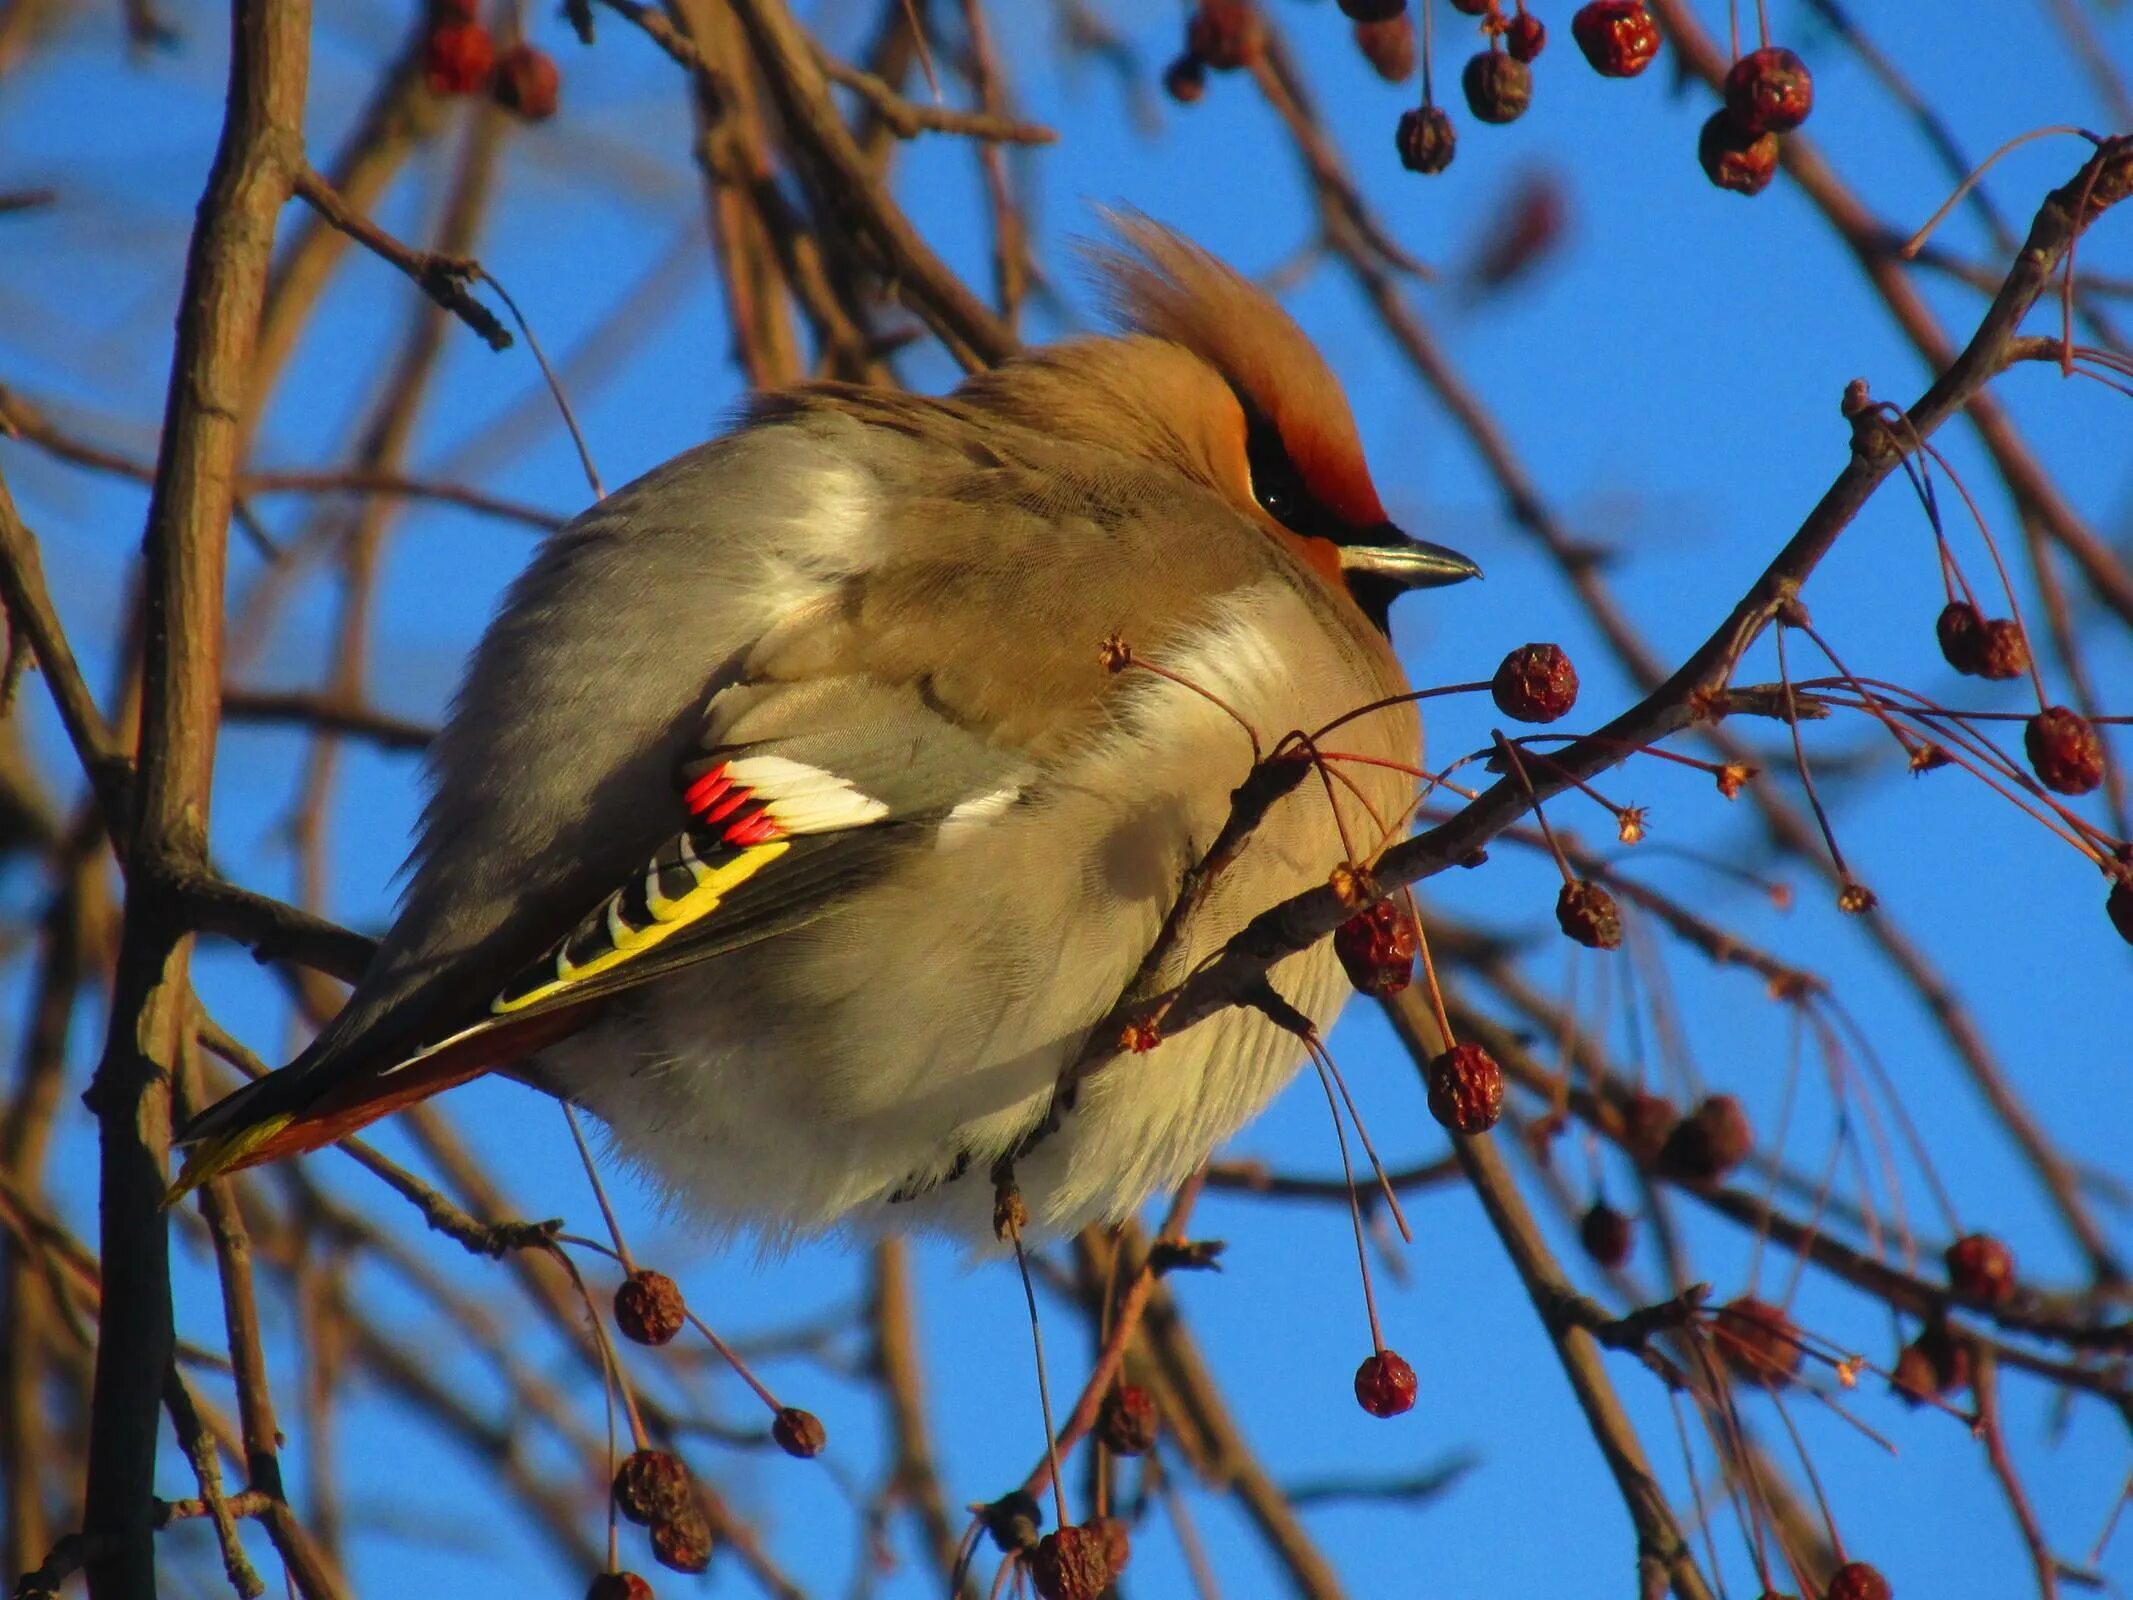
[[294, 1110]]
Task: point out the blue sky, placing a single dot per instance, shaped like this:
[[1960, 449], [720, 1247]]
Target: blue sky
[[1671, 379]]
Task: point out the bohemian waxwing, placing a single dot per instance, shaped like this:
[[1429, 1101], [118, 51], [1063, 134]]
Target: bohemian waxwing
[[792, 821]]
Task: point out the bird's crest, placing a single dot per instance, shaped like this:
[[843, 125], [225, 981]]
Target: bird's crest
[[1162, 284]]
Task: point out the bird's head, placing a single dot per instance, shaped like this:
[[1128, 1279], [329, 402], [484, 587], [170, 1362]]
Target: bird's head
[[1217, 379]]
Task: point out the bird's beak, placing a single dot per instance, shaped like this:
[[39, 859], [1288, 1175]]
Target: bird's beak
[[1386, 557]]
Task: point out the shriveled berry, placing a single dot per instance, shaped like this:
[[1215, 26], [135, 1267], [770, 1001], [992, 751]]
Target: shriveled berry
[[1588, 914], [1648, 1120], [1226, 34], [527, 82], [2063, 747], [618, 1586], [1935, 1363], [1185, 79], [1734, 159], [457, 57], [652, 1486], [1127, 1422], [1389, 47], [1014, 1521], [1498, 87], [1377, 948], [1757, 1340], [1606, 1234], [649, 1307], [1769, 91], [1709, 1142], [1426, 139], [1535, 682], [1466, 1089], [1618, 37], [1855, 1580], [1981, 1270], [1385, 1384], [2118, 906], [2003, 652], [1073, 1563], [1525, 37], [798, 1433], [1960, 632], [1372, 10], [682, 1542]]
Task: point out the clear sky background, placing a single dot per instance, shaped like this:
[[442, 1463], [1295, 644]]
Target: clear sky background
[[1671, 378]]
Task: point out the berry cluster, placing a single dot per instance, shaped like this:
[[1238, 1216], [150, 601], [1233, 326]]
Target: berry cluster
[[1768, 92], [460, 57]]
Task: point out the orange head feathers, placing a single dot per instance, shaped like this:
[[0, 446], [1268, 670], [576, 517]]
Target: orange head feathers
[[1168, 287], [1218, 380]]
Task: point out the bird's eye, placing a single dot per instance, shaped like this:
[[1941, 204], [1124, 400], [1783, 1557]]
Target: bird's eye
[[1279, 487]]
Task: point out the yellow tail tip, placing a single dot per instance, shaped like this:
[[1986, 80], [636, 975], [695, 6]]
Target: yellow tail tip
[[215, 1157]]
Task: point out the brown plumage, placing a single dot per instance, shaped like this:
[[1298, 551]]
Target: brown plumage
[[796, 825]]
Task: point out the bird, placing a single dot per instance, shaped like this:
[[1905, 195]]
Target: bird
[[810, 799]]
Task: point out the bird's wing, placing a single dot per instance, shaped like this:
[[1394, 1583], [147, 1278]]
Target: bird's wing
[[797, 796]]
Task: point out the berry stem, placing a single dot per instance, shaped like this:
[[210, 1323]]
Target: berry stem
[[1518, 771], [592, 1176], [1044, 1388], [1355, 1208]]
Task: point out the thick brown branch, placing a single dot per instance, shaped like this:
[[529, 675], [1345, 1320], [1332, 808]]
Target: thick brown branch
[[256, 164]]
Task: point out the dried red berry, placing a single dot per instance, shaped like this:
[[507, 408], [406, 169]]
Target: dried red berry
[[1618, 37], [1426, 139], [1466, 1089], [798, 1433], [1535, 682], [1981, 1270], [527, 82], [1769, 91], [1073, 1563], [682, 1542], [1498, 87], [1226, 34], [2118, 906], [652, 1486], [1526, 36], [1127, 1422], [1961, 634], [1935, 1363], [1606, 1235], [1734, 159], [1371, 10], [1855, 1580], [1709, 1142], [1757, 1340], [2064, 749], [2003, 652], [1377, 948], [1385, 1385], [1013, 1521], [1185, 80], [618, 1586], [1389, 47], [1648, 1120], [1588, 914], [1474, 8], [457, 57], [649, 1307]]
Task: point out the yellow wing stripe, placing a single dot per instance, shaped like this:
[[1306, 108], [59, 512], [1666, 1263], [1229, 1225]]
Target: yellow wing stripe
[[214, 1157], [713, 884]]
